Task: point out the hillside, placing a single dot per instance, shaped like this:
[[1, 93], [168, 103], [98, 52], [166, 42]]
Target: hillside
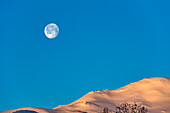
[[154, 93]]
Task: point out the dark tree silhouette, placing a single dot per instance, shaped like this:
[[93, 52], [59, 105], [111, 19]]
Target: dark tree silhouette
[[130, 108], [105, 110]]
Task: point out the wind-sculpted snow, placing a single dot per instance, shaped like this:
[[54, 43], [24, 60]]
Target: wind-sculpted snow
[[153, 93]]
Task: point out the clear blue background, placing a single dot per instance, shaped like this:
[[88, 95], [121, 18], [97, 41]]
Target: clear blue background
[[102, 44]]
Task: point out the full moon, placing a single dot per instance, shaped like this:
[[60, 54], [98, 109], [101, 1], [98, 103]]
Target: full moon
[[51, 30]]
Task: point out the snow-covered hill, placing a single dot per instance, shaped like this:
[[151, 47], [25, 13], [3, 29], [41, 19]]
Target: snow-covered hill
[[154, 93]]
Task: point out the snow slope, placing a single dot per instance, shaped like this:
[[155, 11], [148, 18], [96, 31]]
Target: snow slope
[[154, 93], [39, 110]]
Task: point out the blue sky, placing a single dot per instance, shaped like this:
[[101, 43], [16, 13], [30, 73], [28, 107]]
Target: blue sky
[[101, 45]]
